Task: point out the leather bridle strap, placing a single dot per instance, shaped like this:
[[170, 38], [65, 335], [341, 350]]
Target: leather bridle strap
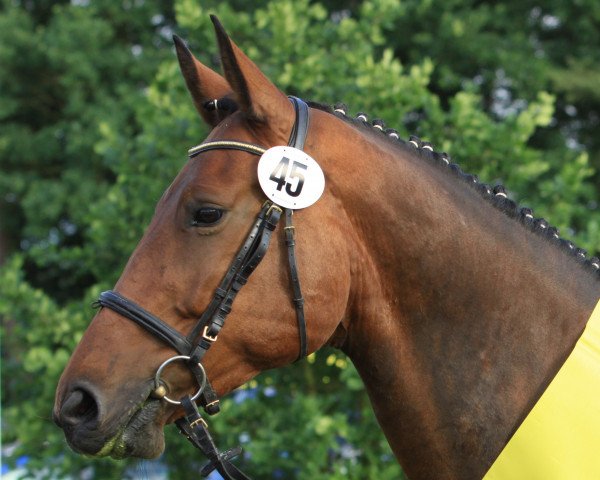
[[153, 324], [226, 145], [290, 240], [228, 279], [236, 279], [220, 305], [297, 139], [195, 429], [300, 128], [249, 256]]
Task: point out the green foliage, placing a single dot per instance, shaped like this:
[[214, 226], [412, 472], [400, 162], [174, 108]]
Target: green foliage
[[95, 122], [37, 340]]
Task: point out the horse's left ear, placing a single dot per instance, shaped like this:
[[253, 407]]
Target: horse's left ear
[[204, 84], [258, 98]]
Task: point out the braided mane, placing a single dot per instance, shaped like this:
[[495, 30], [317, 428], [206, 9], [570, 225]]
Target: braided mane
[[495, 195]]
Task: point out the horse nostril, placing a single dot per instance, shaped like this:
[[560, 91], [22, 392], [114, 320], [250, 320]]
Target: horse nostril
[[79, 407]]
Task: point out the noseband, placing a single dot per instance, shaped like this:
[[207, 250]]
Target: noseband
[[192, 348]]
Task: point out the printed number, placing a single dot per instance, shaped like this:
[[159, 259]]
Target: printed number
[[280, 173], [296, 173]]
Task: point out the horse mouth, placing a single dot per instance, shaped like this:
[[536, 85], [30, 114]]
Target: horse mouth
[[142, 436]]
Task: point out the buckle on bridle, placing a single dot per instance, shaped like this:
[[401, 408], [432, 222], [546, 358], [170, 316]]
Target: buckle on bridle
[[200, 421], [208, 337], [272, 208], [290, 231]]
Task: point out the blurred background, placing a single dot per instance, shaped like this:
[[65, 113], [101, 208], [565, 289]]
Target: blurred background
[[95, 121]]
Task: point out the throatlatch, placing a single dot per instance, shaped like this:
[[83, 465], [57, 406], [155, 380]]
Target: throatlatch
[[192, 348]]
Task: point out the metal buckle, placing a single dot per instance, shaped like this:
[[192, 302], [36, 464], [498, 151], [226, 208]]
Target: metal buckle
[[274, 207], [207, 337], [197, 421]]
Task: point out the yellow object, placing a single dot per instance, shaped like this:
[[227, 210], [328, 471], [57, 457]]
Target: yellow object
[[560, 438]]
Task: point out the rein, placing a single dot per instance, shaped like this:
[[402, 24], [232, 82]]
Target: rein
[[193, 347]]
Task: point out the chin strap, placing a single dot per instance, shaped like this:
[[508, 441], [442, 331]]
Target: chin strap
[[195, 429]]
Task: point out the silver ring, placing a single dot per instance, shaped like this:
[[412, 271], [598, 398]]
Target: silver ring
[[172, 359]]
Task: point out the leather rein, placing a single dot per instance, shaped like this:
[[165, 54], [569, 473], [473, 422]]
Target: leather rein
[[192, 347]]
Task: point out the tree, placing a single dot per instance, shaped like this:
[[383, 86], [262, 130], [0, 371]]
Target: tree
[[96, 122]]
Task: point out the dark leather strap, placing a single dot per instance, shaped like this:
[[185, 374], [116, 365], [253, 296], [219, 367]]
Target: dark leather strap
[[297, 139], [210, 400], [300, 128], [195, 429], [227, 280], [295, 281], [252, 252], [115, 301], [254, 256]]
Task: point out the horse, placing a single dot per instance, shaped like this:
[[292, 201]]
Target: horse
[[456, 307]]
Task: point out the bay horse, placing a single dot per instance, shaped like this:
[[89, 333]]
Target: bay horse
[[456, 307]]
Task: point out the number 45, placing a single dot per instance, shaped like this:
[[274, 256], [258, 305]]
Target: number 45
[[280, 173]]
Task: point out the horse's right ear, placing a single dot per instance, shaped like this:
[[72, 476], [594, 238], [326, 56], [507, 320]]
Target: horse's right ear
[[204, 84]]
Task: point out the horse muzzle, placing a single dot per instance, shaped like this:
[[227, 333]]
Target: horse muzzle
[[82, 415], [79, 415]]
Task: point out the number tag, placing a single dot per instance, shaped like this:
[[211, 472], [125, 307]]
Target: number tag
[[290, 178]]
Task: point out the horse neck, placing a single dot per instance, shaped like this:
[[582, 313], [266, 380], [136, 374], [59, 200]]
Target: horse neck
[[459, 316]]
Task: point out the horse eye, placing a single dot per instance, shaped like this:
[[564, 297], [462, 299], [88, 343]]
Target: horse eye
[[206, 216]]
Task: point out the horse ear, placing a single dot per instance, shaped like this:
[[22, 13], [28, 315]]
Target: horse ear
[[204, 84], [258, 98]]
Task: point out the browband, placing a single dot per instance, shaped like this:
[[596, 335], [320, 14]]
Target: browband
[[296, 140], [226, 145]]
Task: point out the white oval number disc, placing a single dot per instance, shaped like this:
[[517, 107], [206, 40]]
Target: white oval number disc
[[290, 178]]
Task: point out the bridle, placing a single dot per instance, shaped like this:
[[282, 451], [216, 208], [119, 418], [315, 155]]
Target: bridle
[[193, 347]]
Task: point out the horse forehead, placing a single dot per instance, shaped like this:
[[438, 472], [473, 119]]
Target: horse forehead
[[219, 170], [233, 127]]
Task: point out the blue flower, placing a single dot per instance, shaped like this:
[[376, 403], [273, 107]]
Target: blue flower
[[270, 392]]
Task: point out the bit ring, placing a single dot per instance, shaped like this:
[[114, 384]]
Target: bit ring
[[157, 383]]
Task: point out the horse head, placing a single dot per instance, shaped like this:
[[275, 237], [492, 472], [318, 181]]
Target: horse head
[[106, 396]]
